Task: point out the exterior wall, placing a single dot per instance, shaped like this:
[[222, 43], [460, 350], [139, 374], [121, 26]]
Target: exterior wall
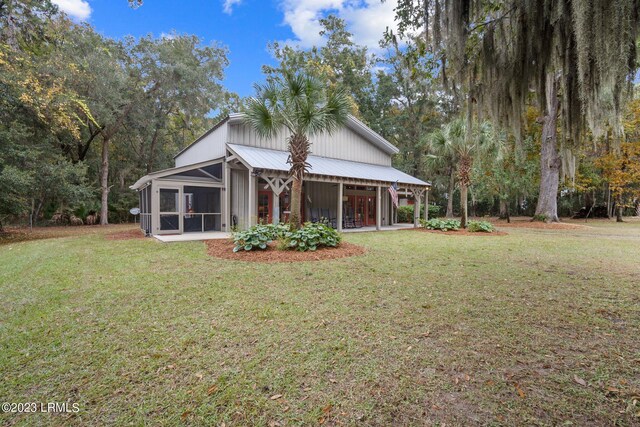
[[317, 195], [323, 195], [343, 144], [210, 147], [239, 197]]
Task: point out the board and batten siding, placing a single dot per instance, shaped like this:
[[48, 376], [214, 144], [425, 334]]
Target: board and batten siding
[[239, 197], [343, 144], [210, 147], [320, 195]]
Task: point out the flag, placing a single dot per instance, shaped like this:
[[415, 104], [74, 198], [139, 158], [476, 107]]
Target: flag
[[393, 190]]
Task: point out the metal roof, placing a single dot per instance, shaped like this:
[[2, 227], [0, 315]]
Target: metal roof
[[263, 158]]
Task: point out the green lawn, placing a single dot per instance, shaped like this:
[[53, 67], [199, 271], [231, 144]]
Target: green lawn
[[538, 327]]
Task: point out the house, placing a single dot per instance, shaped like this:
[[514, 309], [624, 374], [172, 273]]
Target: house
[[231, 178]]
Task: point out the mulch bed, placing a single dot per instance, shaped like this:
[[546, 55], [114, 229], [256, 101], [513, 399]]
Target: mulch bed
[[126, 235], [223, 248], [461, 232]]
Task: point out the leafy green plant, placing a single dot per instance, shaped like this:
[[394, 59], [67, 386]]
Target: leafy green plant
[[540, 217], [258, 236], [311, 237], [441, 224], [480, 226], [405, 213]]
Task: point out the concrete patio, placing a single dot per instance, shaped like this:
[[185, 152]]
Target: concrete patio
[[189, 237]]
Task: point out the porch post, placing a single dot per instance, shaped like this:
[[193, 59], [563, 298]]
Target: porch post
[[416, 208], [426, 204], [339, 211], [276, 207], [226, 204], [378, 208], [252, 199]]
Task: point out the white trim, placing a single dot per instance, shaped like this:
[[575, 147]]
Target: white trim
[[172, 171]]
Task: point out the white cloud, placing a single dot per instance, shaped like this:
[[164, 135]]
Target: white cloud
[[78, 9], [366, 19], [227, 5]]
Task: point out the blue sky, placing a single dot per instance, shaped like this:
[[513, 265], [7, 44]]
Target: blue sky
[[244, 26]]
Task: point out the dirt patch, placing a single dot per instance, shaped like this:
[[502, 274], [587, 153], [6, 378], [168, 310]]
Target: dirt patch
[[460, 232], [22, 234], [526, 223], [126, 235], [223, 248]]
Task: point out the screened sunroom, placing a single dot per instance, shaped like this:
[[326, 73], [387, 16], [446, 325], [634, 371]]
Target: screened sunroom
[[181, 200]]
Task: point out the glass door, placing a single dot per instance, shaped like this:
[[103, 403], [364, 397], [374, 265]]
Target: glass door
[[169, 210], [371, 210], [264, 207]]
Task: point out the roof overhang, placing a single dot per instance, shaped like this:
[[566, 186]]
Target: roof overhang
[[275, 160], [142, 182]]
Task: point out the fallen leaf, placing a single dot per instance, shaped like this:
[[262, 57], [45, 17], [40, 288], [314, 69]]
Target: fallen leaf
[[409, 348], [579, 380], [212, 389], [332, 380], [519, 390], [199, 375], [185, 414], [326, 409], [275, 397], [306, 389]]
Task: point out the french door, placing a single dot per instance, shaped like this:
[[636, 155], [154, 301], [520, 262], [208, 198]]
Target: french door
[[365, 208], [265, 207]]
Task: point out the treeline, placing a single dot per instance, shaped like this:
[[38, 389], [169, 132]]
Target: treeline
[[83, 116]]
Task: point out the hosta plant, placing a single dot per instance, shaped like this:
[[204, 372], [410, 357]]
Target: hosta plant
[[441, 224], [481, 226], [311, 237]]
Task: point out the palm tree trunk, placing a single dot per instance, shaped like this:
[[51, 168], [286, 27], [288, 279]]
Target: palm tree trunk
[[452, 183], [296, 199], [298, 151], [464, 177], [463, 206]]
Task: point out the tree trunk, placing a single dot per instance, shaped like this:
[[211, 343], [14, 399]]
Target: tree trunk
[[463, 205], [503, 209], [152, 151], [296, 199], [298, 152], [619, 208], [104, 182], [452, 183], [464, 178], [547, 206], [637, 202]]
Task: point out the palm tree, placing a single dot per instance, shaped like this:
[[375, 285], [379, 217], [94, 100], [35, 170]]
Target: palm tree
[[452, 143], [301, 106]]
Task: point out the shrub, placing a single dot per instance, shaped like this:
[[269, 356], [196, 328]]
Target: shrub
[[540, 217], [405, 213], [311, 237], [480, 226], [258, 236], [441, 224]]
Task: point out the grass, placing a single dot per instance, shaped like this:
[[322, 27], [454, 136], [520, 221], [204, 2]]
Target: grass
[[539, 327]]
